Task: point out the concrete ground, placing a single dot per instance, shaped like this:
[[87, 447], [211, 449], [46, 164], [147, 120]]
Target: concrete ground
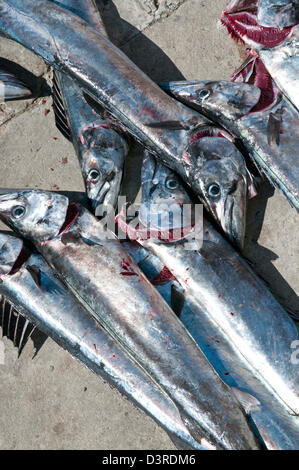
[[52, 401]]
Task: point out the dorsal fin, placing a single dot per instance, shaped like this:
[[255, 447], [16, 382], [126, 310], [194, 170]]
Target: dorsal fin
[[14, 325], [61, 118]]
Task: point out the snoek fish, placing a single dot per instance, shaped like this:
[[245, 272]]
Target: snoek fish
[[11, 88], [33, 291], [162, 189], [100, 142], [278, 48], [278, 13], [227, 293], [99, 271], [164, 126], [258, 115]]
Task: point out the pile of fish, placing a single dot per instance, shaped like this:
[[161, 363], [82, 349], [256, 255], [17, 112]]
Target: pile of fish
[[180, 325]]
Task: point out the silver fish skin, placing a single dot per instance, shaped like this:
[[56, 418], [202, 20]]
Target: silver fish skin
[[35, 292], [11, 88], [161, 124], [278, 13], [269, 132], [106, 280], [271, 13], [278, 48], [100, 143], [222, 285], [278, 429]]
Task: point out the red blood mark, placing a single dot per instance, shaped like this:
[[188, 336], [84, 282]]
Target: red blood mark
[[55, 138], [113, 356], [251, 306], [44, 101], [274, 354], [46, 112], [244, 24], [128, 270], [163, 277], [232, 313], [219, 296], [64, 160], [186, 157], [104, 126], [151, 313]]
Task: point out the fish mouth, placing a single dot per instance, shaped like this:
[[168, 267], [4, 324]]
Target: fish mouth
[[243, 26], [231, 214], [107, 196]]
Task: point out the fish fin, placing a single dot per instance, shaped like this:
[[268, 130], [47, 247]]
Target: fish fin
[[61, 117], [273, 129], [171, 125], [14, 325], [35, 274], [248, 402], [177, 299]]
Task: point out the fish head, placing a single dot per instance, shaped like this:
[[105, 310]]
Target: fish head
[[216, 98], [103, 153], [34, 214], [163, 197], [219, 176], [10, 250], [278, 13], [242, 23]]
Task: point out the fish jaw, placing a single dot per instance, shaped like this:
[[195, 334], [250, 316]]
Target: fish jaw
[[244, 27], [11, 88], [10, 249]]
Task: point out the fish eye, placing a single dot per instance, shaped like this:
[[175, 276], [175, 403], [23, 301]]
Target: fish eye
[[214, 190], [171, 184], [18, 212], [203, 94], [94, 174]]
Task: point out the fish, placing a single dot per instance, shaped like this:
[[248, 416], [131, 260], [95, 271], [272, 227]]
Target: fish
[[278, 13], [11, 87], [110, 78], [33, 297], [226, 293], [161, 189], [100, 142], [106, 280], [257, 114], [277, 47]]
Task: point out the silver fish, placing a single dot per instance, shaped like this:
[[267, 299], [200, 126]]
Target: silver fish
[[278, 13], [32, 295], [258, 115], [278, 48], [278, 429], [94, 265], [161, 124], [100, 143], [230, 295], [11, 88]]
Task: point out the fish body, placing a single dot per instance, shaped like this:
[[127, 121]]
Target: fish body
[[11, 88], [278, 13], [33, 291], [257, 115], [106, 280], [164, 126], [226, 293], [277, 428], [100, 143], [278, 47]]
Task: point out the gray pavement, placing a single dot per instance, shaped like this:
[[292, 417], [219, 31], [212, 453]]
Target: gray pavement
[[52, 401]]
